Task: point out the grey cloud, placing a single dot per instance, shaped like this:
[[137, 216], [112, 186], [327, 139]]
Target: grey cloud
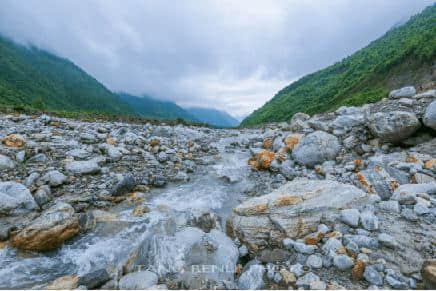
[[233, 55]]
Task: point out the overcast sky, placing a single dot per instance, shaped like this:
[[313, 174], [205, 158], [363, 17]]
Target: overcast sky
[[232, 55]]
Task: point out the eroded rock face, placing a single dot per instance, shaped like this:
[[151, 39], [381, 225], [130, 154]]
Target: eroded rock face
[[290, 211], [393, 126], [315, 148], [48, 231], [15, 197]]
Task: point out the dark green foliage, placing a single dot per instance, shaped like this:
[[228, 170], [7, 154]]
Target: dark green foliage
[[34, 78], [214, 117], [367, 76]]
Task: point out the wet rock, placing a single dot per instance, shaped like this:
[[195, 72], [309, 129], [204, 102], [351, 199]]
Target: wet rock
[[6, 163], [138, 280], [54, 178], [125, 184], [350, 217], [94, 279], [315, 148], [428, 273], [407, 92], [252, 278], [83, 167], [15, 198], [48, 231], [393, 126], [372, 276], [290, 211], [429, 119], [64, 283]]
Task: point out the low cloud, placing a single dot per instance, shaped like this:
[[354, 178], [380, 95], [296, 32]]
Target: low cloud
[[232, 55]]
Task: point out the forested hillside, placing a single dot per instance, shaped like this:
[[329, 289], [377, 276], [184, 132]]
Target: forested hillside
[[405, 55], [33, 78], [214, 117]]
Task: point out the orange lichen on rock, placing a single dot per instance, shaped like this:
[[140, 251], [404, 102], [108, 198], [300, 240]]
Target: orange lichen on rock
[[267, 143], [14, 141], [262, 160], [292, 140], [287, 200], [429, 164], [358, 269]]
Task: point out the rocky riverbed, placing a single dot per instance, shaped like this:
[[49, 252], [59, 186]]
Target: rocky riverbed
[[345, 199]]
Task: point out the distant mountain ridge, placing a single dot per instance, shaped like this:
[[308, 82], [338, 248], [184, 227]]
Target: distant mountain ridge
[[148, 107], [214, 117], [405, 55]]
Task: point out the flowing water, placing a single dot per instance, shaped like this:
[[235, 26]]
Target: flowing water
[[214, 188]]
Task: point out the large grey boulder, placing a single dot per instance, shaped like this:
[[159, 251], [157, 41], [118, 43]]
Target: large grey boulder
[[138, 280], [407, 92], [393, 126], [430, 116], [315, 148], [14, 198], [290, 211], [83, 167]]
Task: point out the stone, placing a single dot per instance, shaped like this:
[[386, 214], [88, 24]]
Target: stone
[[43, 195], [378, 181], [243, 251], [332, 244], [297, 269], [38, 158], [429, 119], [14, 141], [262, 160], [406, 194], [358, 269], [288, 277], [318, 285], [393, 126], [292, 140], [409, 214], [54, 178], [48, 231], [290, 211], [387, 240], [315, 148], [421, 209], [350, 217], [372, 276], [138, 280], [125, 184], [361, 240], [6, 163], [64, 283], [343, 262], [94, 279], [15, 198], [252, 279], [395, 282], [369, 220], [306, 280], [390, 206], [428, 273], [314, 262], [406, 92], [83, 167], [302, 248]]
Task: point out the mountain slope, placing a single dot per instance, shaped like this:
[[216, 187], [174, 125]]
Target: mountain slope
[[405, 55], [213, 117], [148, 107], [34, 78]]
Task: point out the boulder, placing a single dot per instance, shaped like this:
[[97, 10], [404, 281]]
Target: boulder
[[48, 231], [252, 278], [54, 178], [14, 141], [6, 163], [290, 211], [393, 126], [15, 198], [407, 92], [138, 280], [428, 273], [83, 167], [315, 148], [429, 119]]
